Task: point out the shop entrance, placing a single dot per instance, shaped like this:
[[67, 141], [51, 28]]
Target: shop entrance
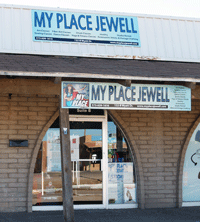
[[102, 167], [88, 153]]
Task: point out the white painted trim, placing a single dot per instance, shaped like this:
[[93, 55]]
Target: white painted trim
[[105, 160], [102, 76], [122, 206], [87, 118], [82, 207], [190, 204], [79, 160], [47, 208], [89, 206]]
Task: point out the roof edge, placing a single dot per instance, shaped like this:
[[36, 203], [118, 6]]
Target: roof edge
[[100, 12], [94, 76]]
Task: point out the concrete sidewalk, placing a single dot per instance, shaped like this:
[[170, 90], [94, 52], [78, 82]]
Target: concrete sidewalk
[[189, 214]]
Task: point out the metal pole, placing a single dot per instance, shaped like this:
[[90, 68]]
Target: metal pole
[[73, 171], [68, 209], [42, 183]]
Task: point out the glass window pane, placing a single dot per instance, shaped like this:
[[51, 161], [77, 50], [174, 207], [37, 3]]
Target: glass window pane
[[86, 169], [47, 182], [121, 179], [87, 182], [86, 155]]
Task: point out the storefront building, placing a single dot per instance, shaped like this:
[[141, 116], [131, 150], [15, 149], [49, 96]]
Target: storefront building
[[131, 84]]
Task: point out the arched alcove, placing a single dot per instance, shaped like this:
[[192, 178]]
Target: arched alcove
[[34, 157], [135, 152], [189, 177], [129, 140]]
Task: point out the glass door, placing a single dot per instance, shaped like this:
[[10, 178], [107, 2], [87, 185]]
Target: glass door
[[87, 155], [88, 137]]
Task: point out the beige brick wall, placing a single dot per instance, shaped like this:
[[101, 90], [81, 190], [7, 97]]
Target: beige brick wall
[[159, 137], [21, 117]]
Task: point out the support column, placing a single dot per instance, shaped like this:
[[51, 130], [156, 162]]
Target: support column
[[68, 210]]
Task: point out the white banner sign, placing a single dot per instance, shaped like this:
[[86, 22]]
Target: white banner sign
[[115, 96], [52, 26]]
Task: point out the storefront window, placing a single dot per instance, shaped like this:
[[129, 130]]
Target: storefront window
[[89, 176], [86, 156], [47, 180], [121, 178]]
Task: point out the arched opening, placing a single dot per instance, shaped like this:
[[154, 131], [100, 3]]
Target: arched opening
[[103, 170], [191, 171]]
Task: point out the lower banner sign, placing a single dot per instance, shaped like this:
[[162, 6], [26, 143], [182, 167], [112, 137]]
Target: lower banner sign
[[88, 95]]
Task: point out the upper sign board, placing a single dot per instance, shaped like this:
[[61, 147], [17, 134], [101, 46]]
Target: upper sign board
[[115, 96], [52, 26]]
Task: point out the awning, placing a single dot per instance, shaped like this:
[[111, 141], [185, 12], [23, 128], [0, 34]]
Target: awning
[[97, 68]]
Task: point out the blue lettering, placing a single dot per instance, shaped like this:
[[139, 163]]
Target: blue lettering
[[127, 30], [140, 94], [158, 94], [132, 93], [97, 28], [121, 24], [103, 91], [167, 99], [88, 22], [49, 18], [73, 22], [127, 98], [162, 99], [65, 22], [59, 19], [79, 22], [115, 97], [121, 93], [110, 91], [132, 26], [119, 165], [151, 94], [102, 23], [119, 177], [144, 93], [120, 170], [39, 21], [95, 95], [112, 24]]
